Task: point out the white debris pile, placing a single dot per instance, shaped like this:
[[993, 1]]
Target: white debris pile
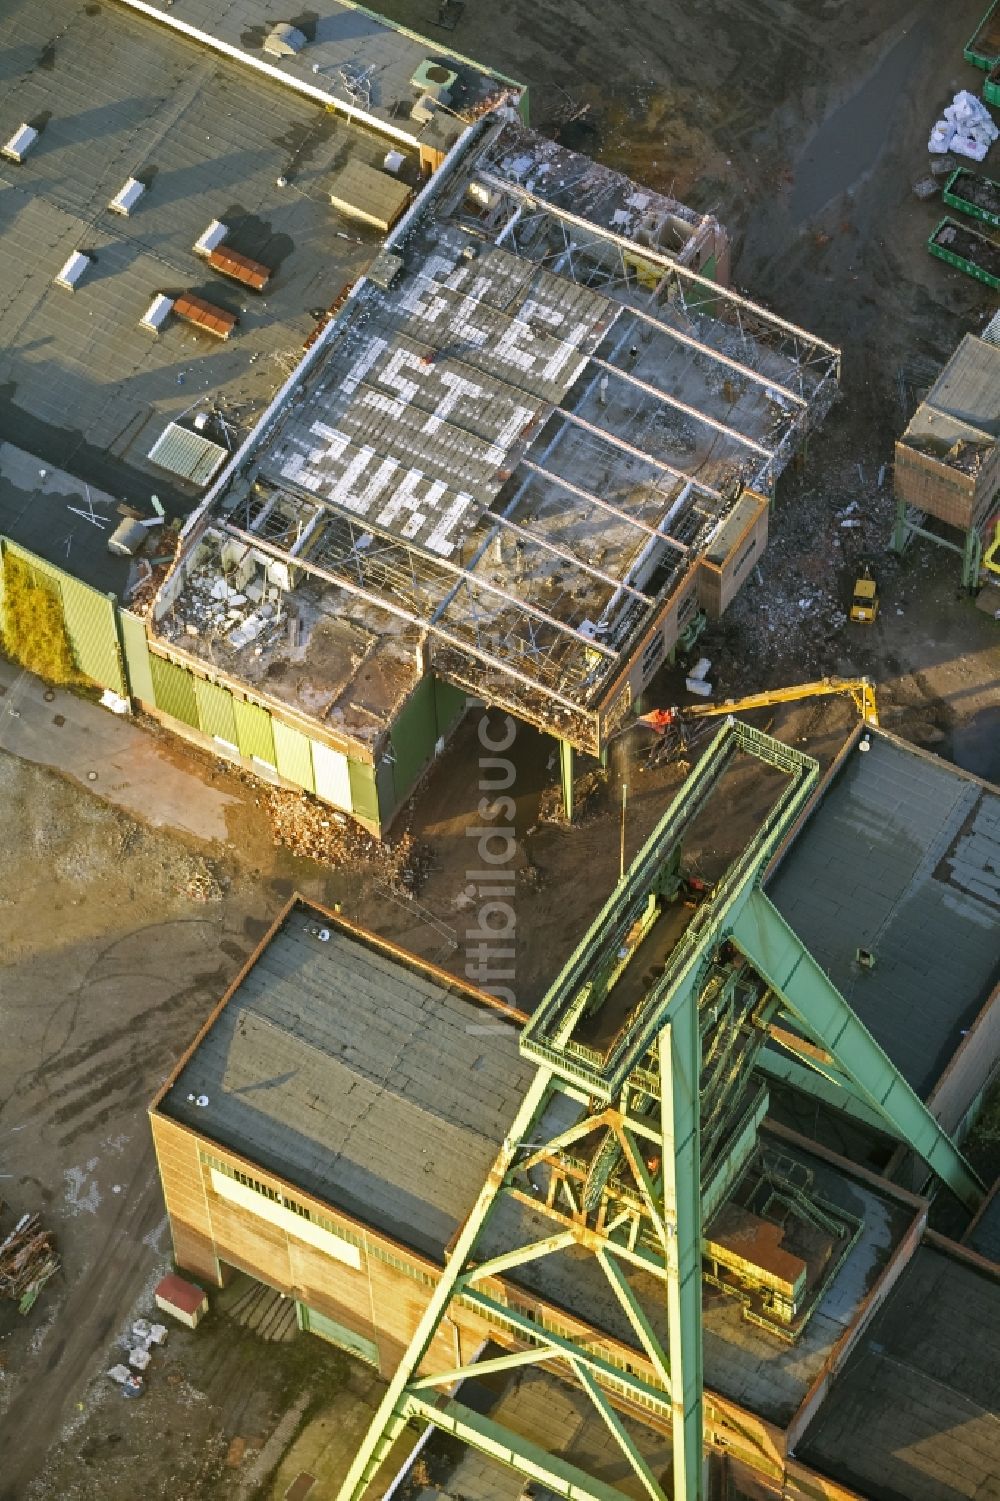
[[967, 128]]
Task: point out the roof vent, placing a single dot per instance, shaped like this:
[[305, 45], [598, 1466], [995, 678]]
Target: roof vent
[[157, 313], [212, 237], [423, 110], [435, 79], [20, 143], [73, 270], [284, 40], [125, 201]]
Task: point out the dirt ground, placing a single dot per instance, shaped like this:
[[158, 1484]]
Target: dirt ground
[[802, 124]]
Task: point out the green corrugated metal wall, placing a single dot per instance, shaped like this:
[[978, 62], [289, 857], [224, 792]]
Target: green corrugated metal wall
[[174, 691], [413, 735], [89, 618], [137, 668], [294, 754], [215, 710], [93, 621], [253, 731], [364, 798]]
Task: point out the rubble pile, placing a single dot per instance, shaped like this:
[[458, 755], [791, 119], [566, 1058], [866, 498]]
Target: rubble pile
[[27, 1261], [792, 615], [320, 833]]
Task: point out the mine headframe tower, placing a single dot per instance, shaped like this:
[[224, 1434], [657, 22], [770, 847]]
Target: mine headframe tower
[[641, 1122]]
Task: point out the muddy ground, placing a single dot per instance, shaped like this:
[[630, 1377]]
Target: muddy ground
[[802, 124]]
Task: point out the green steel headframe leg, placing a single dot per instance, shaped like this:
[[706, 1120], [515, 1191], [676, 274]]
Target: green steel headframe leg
[[680, 1069], [391, 1414]]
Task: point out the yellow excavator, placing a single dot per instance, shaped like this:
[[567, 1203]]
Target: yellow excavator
[[670, 724]]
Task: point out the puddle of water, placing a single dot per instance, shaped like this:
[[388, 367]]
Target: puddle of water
[[976, 746], [847, 145]]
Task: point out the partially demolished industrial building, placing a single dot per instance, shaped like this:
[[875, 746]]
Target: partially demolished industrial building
[[530, 447], [590, 1244], [469, 414]]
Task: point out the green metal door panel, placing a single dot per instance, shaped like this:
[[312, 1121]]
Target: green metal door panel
[[215, 710], [92, 632], [449, 705], [333, 778], [413, 736], [174, 690], [137, 669], [364, 798], [337, 1334], [293, 755], [253, 731]]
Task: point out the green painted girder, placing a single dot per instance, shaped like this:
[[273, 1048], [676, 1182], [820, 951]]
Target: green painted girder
[[813, 1079], [510, 1449], [524, 1328], [621, 1436], [544, 1038], [817, 1006], [680, 1107], [390, 1414]]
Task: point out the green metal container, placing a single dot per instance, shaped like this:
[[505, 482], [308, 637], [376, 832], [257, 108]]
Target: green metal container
[[983, 48], [953, 197], [961, 262], [991, 88]]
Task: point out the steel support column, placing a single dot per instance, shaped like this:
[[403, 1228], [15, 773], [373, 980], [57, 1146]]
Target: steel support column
[[680, 1068], [391, 1413], [567, 758]]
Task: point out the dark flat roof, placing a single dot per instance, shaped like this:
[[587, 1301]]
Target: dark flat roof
[[360, 1077], [983, 1236], [914, 1414], [82, 386], [901, 857]]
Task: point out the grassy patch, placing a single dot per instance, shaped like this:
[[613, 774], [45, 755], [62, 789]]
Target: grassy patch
[[34, 632]]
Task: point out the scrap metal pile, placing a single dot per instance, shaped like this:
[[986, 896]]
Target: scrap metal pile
[[27, 1261]]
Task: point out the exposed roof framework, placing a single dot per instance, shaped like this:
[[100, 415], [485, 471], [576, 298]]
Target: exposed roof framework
[[525, 442]]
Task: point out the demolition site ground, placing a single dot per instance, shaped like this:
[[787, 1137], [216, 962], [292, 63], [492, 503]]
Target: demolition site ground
[[801, 124]]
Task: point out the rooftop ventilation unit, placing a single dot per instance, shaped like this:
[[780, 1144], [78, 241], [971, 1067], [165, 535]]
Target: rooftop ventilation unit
[[20, 143], [424, 109], [284, 40], [434, 79], [157, 313], [125, 201], [73, 270], [212, 237], [189, 455]]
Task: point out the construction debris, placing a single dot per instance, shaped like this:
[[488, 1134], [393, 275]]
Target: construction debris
[[318, 832], [27, 1261]]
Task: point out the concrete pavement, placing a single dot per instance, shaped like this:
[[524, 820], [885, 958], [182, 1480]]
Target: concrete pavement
[[109, 754]]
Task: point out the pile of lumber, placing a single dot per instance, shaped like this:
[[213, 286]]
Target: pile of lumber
[[27, 1261]]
